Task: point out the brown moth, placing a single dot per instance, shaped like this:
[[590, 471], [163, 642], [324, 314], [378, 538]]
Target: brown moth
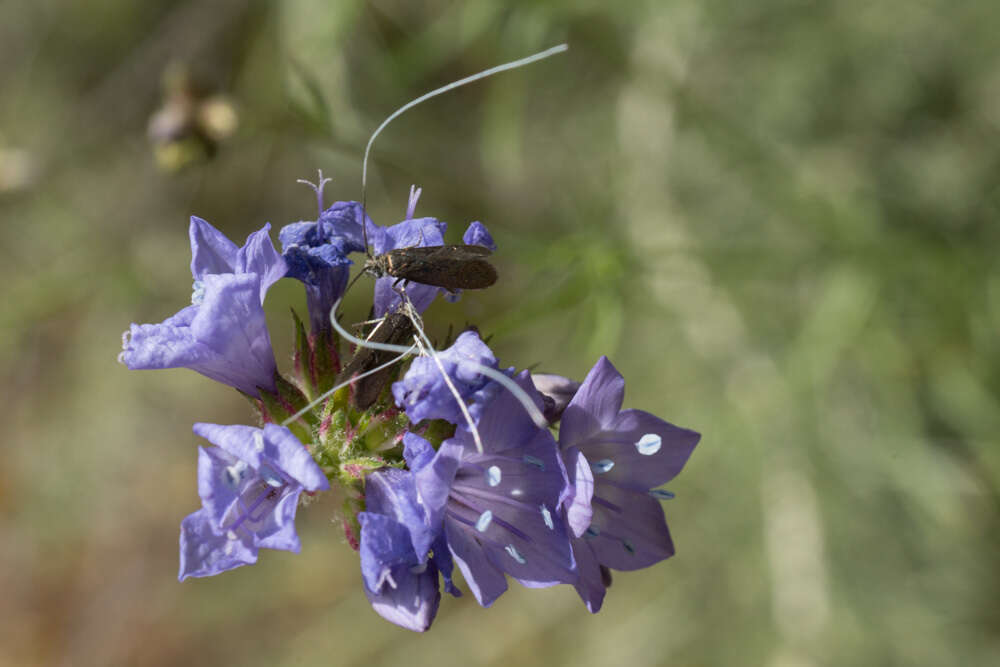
[[452, 267]]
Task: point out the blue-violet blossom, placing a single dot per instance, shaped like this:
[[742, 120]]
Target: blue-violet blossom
[[401, 580], [316, 253], [249, 486], [616, 459], [424, 394], [223, 334], [500, 509]]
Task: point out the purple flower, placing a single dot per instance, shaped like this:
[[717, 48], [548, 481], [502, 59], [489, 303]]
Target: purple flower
[[616, 459], [477, 234], [499, 509], [223, 334], [249, 486], [415, 232], [424, 394], [401, 582], [316, 253], [213, 253]]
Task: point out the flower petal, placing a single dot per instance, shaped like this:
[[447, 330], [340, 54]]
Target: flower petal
[[387, 298], [506, 501], [275, 528], [258, 255], [392, 493], [434, 479], [442, 558], [425, 394], [590, 586], [477, 234], [203, 553], [504, 423], [595, 404], [413, 602], [638, 450], [273, 447], [628, 530], [417, 451], [385, 544], [485, 580], [211, 250], [221, 480], [578, 509], [411, 233], [291, 456]]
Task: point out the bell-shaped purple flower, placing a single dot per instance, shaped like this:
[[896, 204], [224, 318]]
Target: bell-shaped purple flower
[[224, 337], [316, 253], [500, 508], [249, 486], [415, 232], [401, 580], [616, 459], [424, 394], [223, 334]]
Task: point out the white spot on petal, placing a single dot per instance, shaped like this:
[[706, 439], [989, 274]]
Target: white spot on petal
[[649, 444], [547, 517], [484, 520], [258, 440], [602, 466], [515, 554], [493, 475]]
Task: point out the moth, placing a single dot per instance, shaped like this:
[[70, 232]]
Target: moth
[[395, 329], [452, 267]]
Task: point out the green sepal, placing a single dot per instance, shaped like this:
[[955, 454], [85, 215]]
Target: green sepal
[[353, 505], [379, 429], [286, 401], [330, 448], [302, 358], [354, 470], [326, 360]]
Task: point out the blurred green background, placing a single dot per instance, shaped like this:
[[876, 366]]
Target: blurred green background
[[777, 218]]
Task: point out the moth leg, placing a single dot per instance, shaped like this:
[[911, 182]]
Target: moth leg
[[399, 287]]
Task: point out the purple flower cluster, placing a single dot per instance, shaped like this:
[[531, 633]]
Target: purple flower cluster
[[449, 467]]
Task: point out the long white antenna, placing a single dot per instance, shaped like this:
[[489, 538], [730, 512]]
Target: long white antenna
[[492, 373], [444, 89]]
